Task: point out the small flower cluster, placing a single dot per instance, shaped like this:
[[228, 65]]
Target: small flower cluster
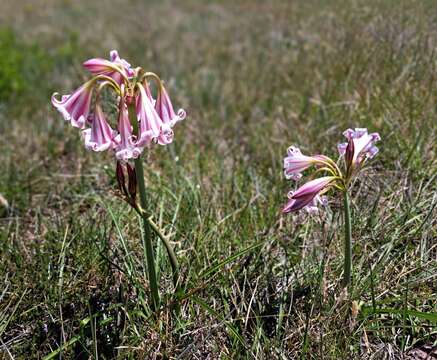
[[154, 118], [359, 147]]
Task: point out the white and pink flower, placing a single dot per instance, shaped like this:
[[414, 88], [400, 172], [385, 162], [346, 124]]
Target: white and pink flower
[[295, 162], [116, 68], [126, 147], [308, 195], [75, 108], [100, 137], [363, 145], [149, 121], [169, 118]]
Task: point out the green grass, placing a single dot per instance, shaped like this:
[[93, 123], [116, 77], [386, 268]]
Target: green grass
[[254, 77]]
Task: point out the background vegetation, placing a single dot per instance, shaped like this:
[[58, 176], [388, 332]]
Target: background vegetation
[[254, 77]]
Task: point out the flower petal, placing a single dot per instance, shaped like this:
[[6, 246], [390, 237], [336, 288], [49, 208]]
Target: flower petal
[[342, 148], [100, 137], [296, 162], [165, 110], [150, 122], [126, 148], [75, 107], [297, 204], [115, 68], [308, 195], [313, 187]]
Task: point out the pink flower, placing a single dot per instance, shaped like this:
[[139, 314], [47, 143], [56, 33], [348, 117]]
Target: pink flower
[[296, 162], [126, 147], [115, 58], [113, 68], [363, 145], [149, 121], [306, 194], [155, 118], [169, 118], [75, 107], [100, 137]]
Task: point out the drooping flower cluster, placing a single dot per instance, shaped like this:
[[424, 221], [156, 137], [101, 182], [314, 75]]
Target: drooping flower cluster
[[359, 148], [154, 118]]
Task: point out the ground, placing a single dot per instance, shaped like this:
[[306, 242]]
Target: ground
[[254, 77]]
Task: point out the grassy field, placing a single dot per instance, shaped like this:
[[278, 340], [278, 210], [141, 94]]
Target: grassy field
[[254, 77]]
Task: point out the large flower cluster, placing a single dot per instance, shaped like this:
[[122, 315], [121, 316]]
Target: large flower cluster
[[359, 148], [153, 118]]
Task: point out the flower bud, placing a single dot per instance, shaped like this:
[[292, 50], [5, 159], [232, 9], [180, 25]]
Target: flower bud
[[119, 172], [349, 155], [132, 176]]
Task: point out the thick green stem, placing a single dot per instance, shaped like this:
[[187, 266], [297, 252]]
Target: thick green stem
[[347, 276], [150, 258], [170, 252], [147, 236]]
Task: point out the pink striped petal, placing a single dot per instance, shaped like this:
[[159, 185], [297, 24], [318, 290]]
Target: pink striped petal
[[126, 148], [75, 107], [149, 121], [296, 162], [114, 68], [100, 137], [307, 196], [165, 110], [297, 204], [313, 187]]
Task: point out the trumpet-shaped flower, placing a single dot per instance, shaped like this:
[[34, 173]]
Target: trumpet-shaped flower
[[126, 147], [363, 145], [114, 68], [296, 204], [149, 121], [306, 194], [296, 162], [100, 137], [169, 118], [75, 107], [313, 187], [164, 107]]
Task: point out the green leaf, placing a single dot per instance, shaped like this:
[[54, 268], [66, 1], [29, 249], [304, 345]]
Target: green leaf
[[419, 314]]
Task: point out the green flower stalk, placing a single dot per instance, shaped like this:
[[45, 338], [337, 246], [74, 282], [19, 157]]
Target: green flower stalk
[[355, 152], [347, 269]]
